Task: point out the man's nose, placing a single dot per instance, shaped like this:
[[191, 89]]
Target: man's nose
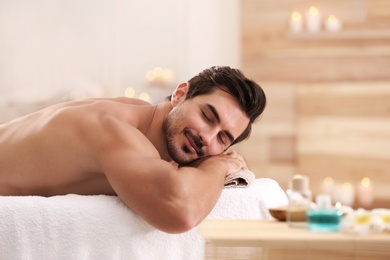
[[208, 135]]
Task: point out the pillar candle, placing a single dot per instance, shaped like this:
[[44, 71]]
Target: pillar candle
[[296, 22], [313, 20], [327, 186], [345, 194], [364, 191], [332, 24]]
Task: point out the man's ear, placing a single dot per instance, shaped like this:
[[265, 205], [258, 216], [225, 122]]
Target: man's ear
[[179, 94]]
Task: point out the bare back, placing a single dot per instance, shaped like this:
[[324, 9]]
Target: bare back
[[55, 151]]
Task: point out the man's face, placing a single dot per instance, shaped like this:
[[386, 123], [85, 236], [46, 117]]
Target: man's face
[[202, 126]]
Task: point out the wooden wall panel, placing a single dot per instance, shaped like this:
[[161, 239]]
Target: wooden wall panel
[[344, 132], [271, 150], [329, 93], [345, 99], [361, 51]]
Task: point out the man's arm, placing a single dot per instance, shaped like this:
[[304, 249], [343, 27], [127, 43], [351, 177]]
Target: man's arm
[[169, 198]]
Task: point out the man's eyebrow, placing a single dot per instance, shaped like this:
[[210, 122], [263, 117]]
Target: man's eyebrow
[[216, 115], [215, 112]]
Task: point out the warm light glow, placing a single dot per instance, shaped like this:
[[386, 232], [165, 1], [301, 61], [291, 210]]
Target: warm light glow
[[129, 92], [160, 76], [338, 205], [332, 19], [296, 16], [313, 11], [149, 76], [144, 96], [157, 72], [366, 182], [168, 74], [332, 24]]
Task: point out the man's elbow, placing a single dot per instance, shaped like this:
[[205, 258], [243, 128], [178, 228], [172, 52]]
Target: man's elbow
[[182, 221]]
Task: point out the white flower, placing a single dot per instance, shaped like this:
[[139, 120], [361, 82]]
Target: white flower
[[358, 222], [381, 220]]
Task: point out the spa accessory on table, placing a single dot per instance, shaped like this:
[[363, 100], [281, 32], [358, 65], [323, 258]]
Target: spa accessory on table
[[299, 196]]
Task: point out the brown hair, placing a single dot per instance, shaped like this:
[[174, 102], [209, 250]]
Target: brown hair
[[248, 93]]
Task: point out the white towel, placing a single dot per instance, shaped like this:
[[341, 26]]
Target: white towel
[[239, 179], [102, 227]]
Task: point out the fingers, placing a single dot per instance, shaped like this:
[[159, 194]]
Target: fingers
[[237, 159], [231, 152]]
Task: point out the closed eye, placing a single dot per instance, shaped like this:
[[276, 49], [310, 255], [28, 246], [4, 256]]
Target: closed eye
[[215, 117], [221, 139], [208, 119]]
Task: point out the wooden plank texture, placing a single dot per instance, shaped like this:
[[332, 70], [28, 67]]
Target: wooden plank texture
[[329, 93]]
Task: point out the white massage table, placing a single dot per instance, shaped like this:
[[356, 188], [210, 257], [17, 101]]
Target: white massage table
[[102, 227]]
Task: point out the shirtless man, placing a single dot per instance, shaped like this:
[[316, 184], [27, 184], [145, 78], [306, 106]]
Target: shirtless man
[[167, 162]]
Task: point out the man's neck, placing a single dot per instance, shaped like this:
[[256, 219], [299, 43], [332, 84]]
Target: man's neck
[[155, 131]]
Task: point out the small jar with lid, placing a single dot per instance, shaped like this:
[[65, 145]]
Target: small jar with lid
[[323, 217], [300, 200]]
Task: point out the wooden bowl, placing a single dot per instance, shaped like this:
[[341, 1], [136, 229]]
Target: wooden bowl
[[280, 213]]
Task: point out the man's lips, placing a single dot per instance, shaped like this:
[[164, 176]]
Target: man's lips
[[193, 148]]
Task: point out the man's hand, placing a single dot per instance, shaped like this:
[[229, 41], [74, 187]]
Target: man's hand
[[236, 161], [233, 161]]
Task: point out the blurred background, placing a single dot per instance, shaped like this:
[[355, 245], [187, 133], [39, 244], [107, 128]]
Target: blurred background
[[324, 64], [73, 49]]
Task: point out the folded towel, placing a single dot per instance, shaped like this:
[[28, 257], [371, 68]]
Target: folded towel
[[239, 179], [253, 202]]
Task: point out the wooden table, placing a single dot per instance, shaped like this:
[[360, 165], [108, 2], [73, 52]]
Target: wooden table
[[260, 239]]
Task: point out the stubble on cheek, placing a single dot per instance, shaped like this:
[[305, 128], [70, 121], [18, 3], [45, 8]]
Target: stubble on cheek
[[171, 130]]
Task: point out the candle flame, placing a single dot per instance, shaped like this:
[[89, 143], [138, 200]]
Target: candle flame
[[296, 16], [366, 182], [313, 10], [144, 96], [332, 19], [129, 92]]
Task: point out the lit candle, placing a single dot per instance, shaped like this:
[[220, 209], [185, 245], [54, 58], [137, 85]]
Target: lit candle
[[313, 20], [160, 76], [144, 96], [345, 209], [327, 186], [129, 92], [296, 22], [332, 24], [345, 194], [365, 195]]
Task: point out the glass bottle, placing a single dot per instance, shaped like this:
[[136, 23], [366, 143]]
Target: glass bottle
[[323, 217], [299, 196]]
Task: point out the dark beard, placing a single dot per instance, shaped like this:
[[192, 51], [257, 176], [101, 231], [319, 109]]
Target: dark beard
[[178, 155], [198, 143], [168, 135]]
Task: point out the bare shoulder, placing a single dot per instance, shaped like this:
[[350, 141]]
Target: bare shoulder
[[124, 100], [118, 126], [125, 137], [112, 121], [94, 126]]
